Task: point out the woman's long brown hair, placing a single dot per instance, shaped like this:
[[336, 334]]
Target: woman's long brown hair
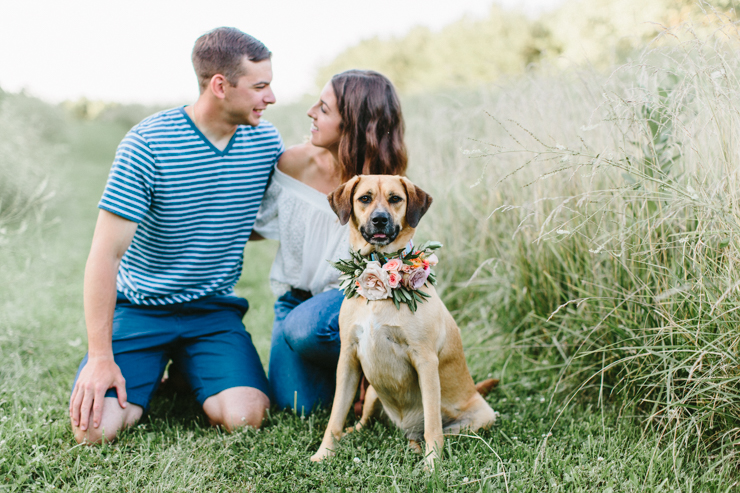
[[372, 125]]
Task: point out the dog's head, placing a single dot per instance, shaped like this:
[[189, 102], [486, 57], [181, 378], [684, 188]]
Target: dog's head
[[383, 211]]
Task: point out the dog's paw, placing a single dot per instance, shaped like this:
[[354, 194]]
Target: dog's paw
[[350, 429], [322, 454], [414, 445], [430, 462]]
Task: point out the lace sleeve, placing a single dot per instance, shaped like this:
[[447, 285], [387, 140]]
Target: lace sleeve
[[267, 224]]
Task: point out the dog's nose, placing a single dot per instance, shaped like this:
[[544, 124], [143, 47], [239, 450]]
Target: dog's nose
[[380, 219]]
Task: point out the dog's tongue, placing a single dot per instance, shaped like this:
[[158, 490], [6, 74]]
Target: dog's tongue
[[378, 236]]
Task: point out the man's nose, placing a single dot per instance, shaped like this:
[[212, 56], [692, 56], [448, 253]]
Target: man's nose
[[270, 97]]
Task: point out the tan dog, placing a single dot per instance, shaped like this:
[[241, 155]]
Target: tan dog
[[414, 361]]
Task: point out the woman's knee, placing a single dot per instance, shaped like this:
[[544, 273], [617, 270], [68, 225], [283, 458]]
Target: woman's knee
[[309, 327]]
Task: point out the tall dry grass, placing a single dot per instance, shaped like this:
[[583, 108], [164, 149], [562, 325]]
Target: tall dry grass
[[591, 223], [32, 140]]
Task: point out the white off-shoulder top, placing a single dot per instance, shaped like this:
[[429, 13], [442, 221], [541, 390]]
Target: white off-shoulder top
[[309, 232]]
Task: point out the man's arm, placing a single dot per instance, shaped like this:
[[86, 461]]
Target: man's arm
[[113, 235]]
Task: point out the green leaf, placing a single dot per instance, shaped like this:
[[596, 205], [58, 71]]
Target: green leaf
[[431, 245]]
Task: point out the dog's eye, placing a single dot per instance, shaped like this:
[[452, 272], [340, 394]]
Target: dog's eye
[[365, 199], [394, 199]]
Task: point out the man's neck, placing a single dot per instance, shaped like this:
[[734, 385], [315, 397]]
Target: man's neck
[[211, 123]]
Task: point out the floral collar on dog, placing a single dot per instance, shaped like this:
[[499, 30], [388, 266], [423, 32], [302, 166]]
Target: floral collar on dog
[[398, 276]]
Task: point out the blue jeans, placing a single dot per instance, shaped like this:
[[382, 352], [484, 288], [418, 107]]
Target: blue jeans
[[305, 350]]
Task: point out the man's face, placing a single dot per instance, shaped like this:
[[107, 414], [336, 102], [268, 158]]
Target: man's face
[[245, 102]]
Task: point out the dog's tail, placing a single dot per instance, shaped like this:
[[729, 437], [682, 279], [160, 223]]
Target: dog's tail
[[486, 386]]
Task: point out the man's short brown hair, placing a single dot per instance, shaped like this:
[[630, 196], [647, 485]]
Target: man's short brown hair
[[222, 51]]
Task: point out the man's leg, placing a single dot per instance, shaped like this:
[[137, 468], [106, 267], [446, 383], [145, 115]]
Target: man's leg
[[140, 339], [236, 407], [114, 419], [219, 360]]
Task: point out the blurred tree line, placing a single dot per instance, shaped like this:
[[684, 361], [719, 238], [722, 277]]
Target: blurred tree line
[[471, 52]]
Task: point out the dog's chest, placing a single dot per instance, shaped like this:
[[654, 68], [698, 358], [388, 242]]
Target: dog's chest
[[380, 345], [383, 351]]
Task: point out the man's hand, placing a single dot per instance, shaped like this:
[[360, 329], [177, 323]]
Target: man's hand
[[113, 235], [95, 379]]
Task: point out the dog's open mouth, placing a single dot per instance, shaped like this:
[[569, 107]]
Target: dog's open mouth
[[383, 237]]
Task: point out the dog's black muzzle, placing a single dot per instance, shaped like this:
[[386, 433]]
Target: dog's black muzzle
[[380, 229]]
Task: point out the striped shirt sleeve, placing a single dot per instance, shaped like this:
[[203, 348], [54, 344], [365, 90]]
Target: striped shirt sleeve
[[267, 224], [128, 192]]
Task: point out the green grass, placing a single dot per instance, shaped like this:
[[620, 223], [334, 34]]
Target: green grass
[[579, 411]]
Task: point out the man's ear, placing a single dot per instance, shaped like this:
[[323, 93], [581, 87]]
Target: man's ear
[[216, 86], [340, 200], [418, 202]]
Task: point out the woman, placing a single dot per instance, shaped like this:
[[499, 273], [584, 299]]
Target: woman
[[357, 129]]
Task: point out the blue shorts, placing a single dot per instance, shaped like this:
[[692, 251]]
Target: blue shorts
[[205, 338]]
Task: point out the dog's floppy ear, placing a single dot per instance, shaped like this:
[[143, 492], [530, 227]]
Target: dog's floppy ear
[[418, 202], [340, 199]]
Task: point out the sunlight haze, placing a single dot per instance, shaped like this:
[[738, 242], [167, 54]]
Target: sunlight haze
[[139, 51]]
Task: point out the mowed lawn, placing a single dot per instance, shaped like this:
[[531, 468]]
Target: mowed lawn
[[539, 443]]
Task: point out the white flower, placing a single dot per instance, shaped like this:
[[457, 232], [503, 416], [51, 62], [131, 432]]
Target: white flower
[[373, 283]]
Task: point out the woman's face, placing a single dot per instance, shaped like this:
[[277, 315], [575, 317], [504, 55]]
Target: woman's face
[[326, 120]]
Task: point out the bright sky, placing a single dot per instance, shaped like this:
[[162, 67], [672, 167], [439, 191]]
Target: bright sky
[[139, 50]]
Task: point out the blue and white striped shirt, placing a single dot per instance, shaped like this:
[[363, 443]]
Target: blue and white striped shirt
[[195, 205]]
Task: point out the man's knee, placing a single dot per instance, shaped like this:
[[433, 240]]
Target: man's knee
[[114, 419], [95, 436], [237, 407]]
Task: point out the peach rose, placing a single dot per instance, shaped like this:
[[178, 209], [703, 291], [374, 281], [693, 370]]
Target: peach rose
[[393, 265], [432, 259], [394, 279], [374, 282]]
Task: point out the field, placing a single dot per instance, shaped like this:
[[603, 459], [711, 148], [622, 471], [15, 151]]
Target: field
[[591, 237]]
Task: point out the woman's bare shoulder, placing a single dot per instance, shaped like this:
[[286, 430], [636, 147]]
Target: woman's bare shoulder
[[297, 159]]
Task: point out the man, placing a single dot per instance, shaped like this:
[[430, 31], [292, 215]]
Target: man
[[178, 208]]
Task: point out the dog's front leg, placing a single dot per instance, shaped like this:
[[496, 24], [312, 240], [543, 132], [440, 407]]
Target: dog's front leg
[[348, 377], [427, 367]]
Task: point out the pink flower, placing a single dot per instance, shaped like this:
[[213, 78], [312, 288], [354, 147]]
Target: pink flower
[[374, 282], [416, 278], [407, 268], [433, 260], [394, 279], [393, 265]]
